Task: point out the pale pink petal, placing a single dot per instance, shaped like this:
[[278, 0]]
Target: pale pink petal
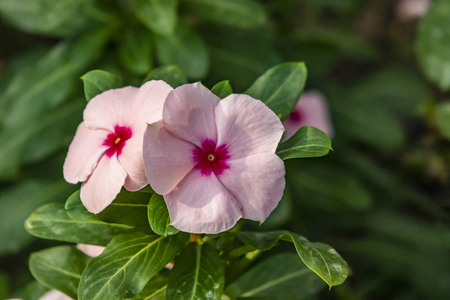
[[167, 159], [311, 110], [84, 152], [110, 108], [102, 187], [247, 126], [55, 295], [257, 182], [201, 204], [189, 113], [148, 105], [91, 250], [412, 9], [132, 160]]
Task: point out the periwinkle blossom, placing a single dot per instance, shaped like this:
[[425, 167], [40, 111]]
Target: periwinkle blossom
[[106, 152], [311, 110], [408, 10], [214, 160]]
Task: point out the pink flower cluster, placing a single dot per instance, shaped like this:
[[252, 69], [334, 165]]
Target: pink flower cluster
[[213, 160]]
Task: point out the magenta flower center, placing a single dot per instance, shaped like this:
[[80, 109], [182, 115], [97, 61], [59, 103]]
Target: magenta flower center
[[295, 116], [116, 141], [210, 158]]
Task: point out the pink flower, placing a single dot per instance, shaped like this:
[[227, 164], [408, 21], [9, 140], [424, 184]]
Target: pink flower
[[91, 250], [55, 295], [106, 152], [214, 160], [412, 9], [311, 110]]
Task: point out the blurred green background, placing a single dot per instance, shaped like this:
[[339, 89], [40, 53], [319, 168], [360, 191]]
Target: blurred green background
[[381, 199]]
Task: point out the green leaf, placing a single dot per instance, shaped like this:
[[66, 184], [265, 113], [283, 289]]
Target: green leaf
[[319, 257], [129, 208], [159, 16], [127, 264], [433, 44], [52, 222], [97, 81], [47, 17], [280, 87], [246, 14], [279, 277], [135, 51], [18, 202], [158, 216], [198, 273], [442, 117], [172, 75], [32, 291], [186, 49], [155, 288], [222, 89], [59, 268], [308, 141]]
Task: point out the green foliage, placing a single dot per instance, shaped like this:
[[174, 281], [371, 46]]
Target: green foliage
[[59, 268], [97, 81], [222, 89], [442, 116], [198, 274], [282, 276], [127, 264], [158, 216], [155, 288], [319, 257], [306, 142], [171, 74], [280, 87], [158, 15], [433, 44], [135, 52]]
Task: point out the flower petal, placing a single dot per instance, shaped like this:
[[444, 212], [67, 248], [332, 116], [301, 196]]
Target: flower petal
[[189, 113], [110, 108], [103, 185], [84, 153], [257, 182], [167, 159], [132, 160], [247, 126], [91, 250], [55, 295], [148, 105], [201, 204]]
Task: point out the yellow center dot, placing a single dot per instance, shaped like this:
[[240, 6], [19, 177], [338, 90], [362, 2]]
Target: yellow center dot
[[211, 157], [117, 141]]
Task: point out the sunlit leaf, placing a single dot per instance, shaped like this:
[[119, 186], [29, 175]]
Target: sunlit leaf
[[97, 81], [158, 216], [172, 75], [222, 89]]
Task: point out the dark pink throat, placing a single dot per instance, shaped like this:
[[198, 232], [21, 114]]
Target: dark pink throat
[[295, 116], [116, 141], [210, 158]]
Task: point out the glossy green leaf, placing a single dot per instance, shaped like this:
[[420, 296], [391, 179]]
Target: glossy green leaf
[[198, 273], [18, 202], [97, 81], [244, 14], [158, 15], [59, 268], [281, 277], [442, 117], [172, 75], [319, 257], [32, 291], [280, 87], [48, 17], [222, 89], [156, 288], [308, 141], [51, 221], [135, 51], [128, 208], [433, 44], [127, 264], [158, 216], [186, 49]]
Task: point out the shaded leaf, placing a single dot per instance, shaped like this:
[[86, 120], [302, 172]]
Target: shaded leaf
[[59, 268], [51, 221], [280, 87], [308, 141], [158, 216], [279, 277], [127, 264], [97, 81], [222, 89], [172, 75], [159, 16], [319, 257], [442, 117], [135, 51], [155, 289], [198, 273]]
